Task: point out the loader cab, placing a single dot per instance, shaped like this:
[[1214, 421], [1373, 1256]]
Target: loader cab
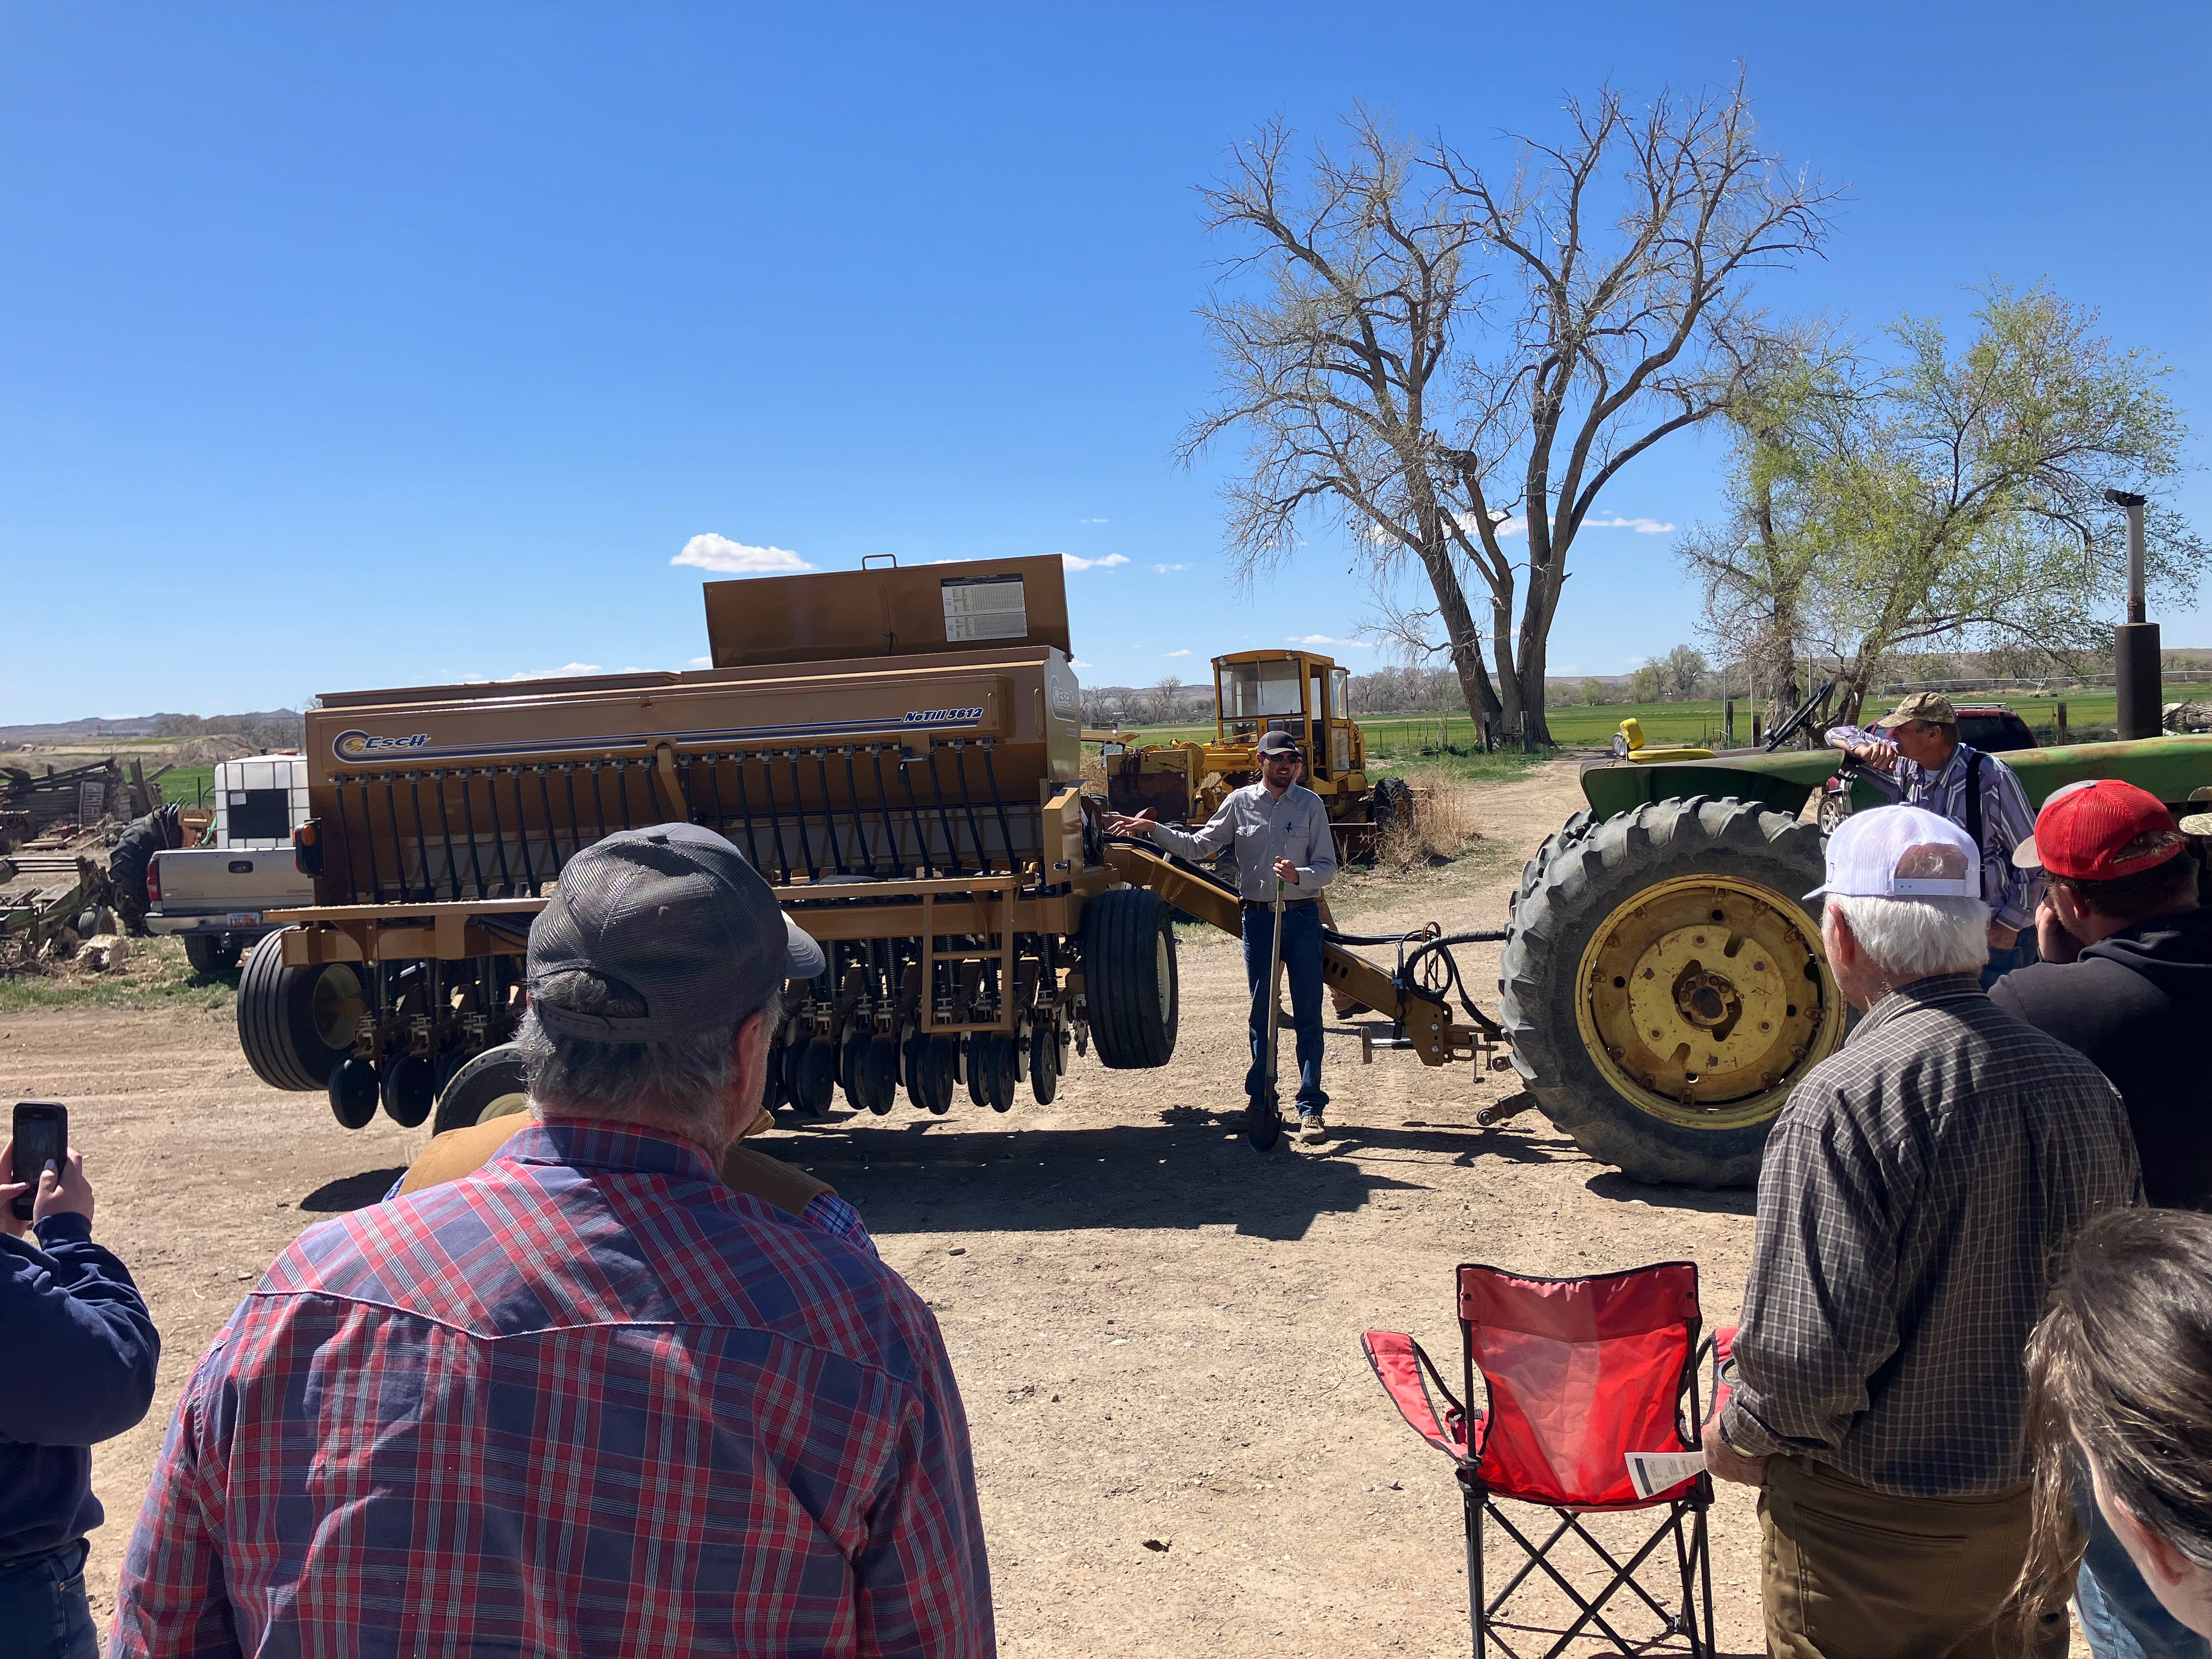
[[1294, 691]]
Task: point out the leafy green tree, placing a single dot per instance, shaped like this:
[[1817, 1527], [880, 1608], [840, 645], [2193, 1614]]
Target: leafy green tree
[[1593, 692], [1954, 499]]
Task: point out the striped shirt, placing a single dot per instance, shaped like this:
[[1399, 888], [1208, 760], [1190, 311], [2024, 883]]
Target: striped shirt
[[2008, 820], [1913, 1192], [584, 1401]]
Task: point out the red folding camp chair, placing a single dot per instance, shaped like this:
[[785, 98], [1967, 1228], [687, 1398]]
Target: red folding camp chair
[[1576, 1373]]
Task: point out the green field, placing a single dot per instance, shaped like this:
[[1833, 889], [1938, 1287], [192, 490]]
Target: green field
[[187, 786], [2089, 715]]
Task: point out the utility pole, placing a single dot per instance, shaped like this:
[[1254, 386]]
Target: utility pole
[[2135, 641]]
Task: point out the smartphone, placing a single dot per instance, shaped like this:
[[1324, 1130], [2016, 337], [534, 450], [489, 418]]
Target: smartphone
[[41, 1136]]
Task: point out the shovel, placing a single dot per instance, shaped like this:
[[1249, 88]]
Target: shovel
[[1263, 1120]]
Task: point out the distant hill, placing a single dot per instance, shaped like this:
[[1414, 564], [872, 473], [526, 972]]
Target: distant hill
[[93, 729]]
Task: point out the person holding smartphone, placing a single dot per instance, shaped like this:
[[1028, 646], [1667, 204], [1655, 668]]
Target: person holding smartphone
[[82, 1351]]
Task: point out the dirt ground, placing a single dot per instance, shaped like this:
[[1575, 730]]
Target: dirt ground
[[1156, 1330]]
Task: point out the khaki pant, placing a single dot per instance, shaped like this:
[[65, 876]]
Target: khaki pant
[[1851, 1573]]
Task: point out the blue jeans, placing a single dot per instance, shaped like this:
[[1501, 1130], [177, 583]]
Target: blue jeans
[[43, 1612], [1302, 967], [2120, 1617]]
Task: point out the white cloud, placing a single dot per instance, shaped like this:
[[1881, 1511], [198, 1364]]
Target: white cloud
[[720, 553], [700, 662], [1641, 526], [566, 671], [1074, 663], [1184, 652], [1094, 521], [1319, 640], [1107, 563], [1164, 568]]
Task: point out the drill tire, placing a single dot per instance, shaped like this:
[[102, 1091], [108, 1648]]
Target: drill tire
[[1130, 981], [287, 1016]]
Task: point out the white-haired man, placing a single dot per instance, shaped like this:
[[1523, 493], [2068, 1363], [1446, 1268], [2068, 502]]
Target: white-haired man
[[1914, 1192]]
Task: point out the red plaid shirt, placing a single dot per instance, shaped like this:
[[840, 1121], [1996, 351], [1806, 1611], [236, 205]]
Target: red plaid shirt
[[584, 1401]]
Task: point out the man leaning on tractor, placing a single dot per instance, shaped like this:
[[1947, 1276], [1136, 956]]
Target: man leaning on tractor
[[1284, 848], [1914, 756]]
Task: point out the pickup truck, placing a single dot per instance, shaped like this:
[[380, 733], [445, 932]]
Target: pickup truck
[[214, 897]]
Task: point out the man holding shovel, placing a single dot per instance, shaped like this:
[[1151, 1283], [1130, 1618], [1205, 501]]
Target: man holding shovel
[[1285, 855]]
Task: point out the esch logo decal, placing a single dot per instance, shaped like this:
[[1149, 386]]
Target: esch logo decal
[[943, 716], [356, 745]]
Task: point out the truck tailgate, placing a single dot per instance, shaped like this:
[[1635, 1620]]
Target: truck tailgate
[[233, 886]]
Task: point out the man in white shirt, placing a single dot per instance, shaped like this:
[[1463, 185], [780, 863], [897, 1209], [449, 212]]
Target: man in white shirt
[[1284, 845]]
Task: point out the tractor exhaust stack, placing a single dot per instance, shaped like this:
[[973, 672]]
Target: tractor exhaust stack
[[2135, 642]]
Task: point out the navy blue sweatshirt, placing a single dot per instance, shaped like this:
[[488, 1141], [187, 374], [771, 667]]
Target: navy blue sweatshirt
[[2137, 1005], [80, 1352]]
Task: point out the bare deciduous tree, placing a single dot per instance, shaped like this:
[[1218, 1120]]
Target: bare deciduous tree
[[1442, 361]]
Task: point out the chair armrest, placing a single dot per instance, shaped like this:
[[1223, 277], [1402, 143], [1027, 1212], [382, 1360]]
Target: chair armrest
[[1723, 1346], [1399, 1364]]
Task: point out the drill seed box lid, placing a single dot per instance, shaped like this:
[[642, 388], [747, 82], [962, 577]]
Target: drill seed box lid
[[888, 612]]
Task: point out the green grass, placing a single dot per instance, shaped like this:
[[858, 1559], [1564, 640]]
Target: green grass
[[187, 786], [155, 976], [1470, 765]]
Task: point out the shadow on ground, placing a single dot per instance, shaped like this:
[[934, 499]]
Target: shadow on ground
[[1720, 1201], [353, 1192], [1193, 1168]]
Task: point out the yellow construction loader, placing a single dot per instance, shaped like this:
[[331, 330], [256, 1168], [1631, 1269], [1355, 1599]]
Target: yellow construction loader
[[1300, 692]]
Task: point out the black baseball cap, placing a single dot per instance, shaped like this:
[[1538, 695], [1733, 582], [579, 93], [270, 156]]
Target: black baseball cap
[[676, 915], [1280, 743]]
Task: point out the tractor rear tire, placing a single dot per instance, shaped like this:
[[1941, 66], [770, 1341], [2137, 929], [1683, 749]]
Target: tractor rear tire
[[492, 1085], [296, 1024], [157, 832], [1129, 978], [1664, 987], [1565, 835]]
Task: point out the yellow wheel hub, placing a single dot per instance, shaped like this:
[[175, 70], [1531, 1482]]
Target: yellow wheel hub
[[1704, 999]]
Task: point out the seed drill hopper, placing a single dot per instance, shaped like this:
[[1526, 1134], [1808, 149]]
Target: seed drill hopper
[[897, 750]]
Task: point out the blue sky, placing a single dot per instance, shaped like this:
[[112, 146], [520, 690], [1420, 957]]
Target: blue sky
[[344, 347]]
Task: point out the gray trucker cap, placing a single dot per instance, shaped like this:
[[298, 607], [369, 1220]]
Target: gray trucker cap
[[676, 915]]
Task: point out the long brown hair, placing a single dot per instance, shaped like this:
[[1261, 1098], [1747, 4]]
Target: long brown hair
[[2121, 1367]]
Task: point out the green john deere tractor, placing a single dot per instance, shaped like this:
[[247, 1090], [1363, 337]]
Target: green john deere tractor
[[1663, 982]]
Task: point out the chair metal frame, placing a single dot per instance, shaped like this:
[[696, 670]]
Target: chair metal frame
[[1464, 1434]]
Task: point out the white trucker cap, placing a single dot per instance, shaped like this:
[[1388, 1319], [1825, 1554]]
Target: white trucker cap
[[1901, 852]]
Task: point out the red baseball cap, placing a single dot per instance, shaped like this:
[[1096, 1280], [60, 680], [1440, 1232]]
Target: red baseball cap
[[2099, 830]]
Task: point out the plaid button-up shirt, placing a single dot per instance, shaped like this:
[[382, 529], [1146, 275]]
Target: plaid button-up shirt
[[1913, 1192], [584, 1401]]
